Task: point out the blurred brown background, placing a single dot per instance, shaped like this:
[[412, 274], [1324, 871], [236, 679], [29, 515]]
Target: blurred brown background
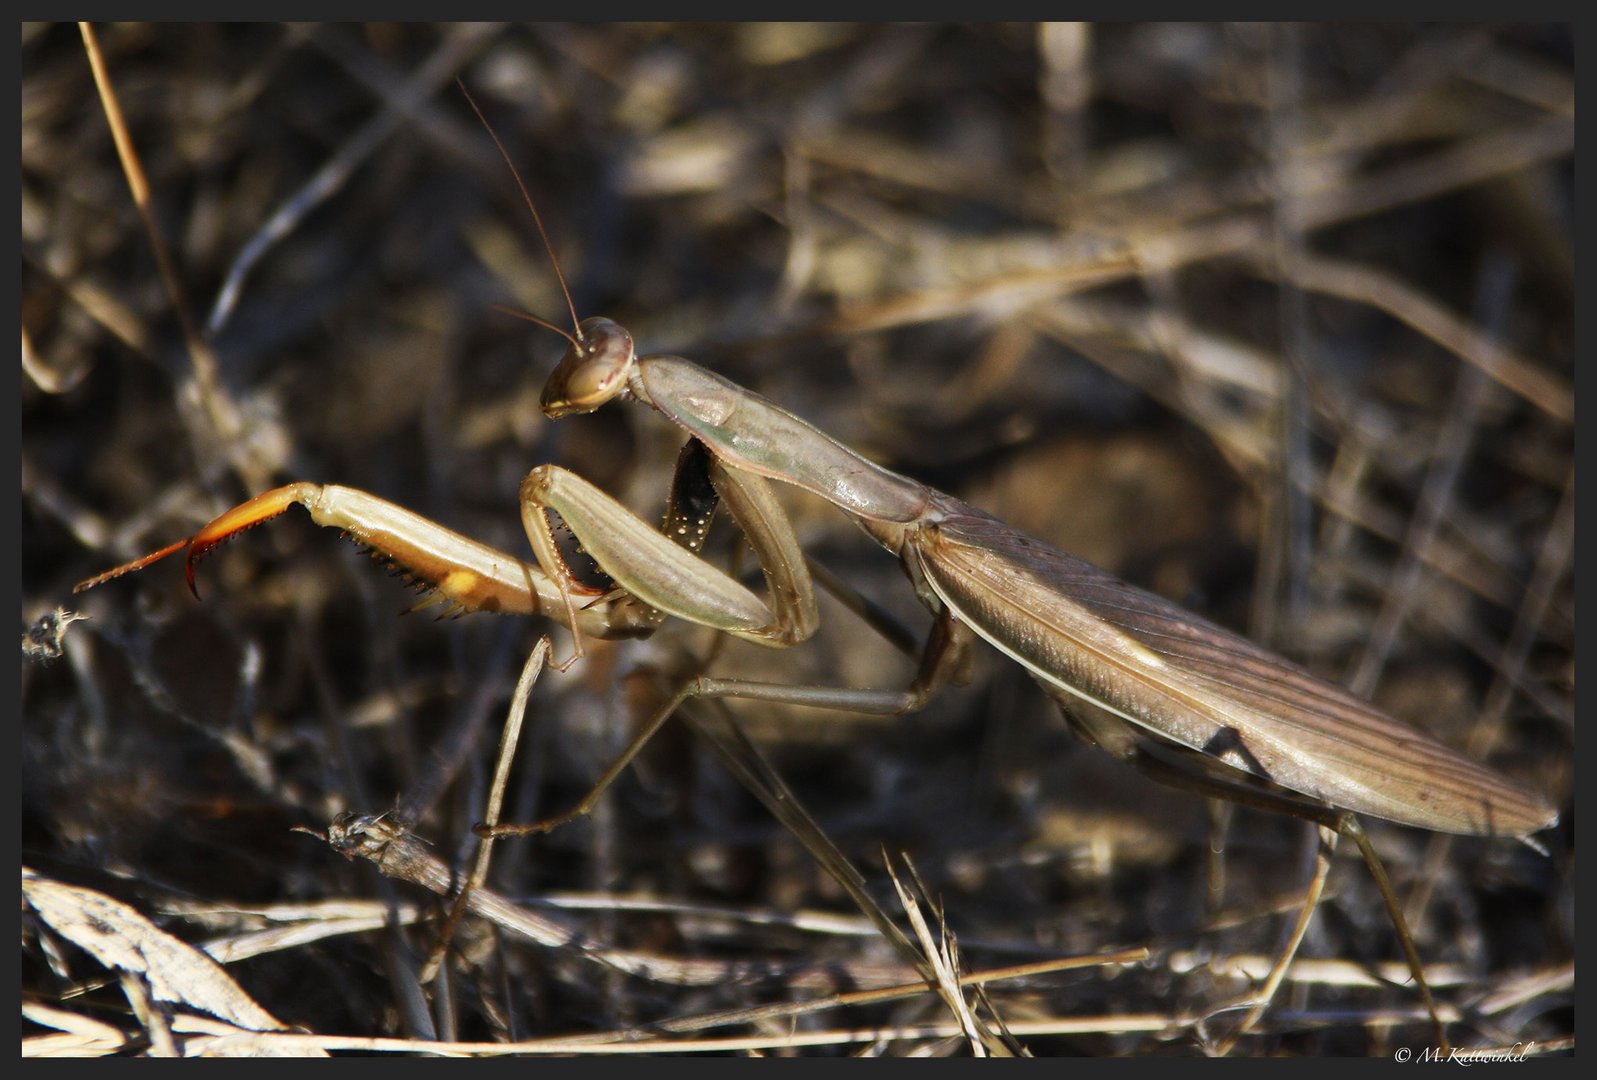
[[1276, 321]]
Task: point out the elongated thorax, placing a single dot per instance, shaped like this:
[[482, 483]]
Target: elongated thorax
[[750, 432]]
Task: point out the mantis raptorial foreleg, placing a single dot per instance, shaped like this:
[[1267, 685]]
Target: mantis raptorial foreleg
[[463, 574], [664, 571], [669, 576]]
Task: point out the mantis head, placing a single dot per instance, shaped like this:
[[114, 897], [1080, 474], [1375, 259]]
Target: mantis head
[[594, 370]]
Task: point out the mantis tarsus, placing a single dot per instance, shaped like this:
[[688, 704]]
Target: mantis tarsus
[[1135, 673]]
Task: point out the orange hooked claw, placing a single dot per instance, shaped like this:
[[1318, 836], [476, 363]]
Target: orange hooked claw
[[246, 515]]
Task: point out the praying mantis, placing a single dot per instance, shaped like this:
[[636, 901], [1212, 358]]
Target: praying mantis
[[1144, 666], [948, 550], [1138, 675]]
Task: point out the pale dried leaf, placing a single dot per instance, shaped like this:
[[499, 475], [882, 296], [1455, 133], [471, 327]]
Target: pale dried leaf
[[122, 939]]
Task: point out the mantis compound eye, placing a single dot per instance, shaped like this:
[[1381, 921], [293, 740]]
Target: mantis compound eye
[[592, 372]]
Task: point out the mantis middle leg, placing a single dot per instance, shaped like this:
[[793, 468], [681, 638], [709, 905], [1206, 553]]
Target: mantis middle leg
[[664, 571]]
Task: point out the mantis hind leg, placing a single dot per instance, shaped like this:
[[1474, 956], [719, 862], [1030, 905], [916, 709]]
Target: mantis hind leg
[[944, 654], [1178, 767]]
